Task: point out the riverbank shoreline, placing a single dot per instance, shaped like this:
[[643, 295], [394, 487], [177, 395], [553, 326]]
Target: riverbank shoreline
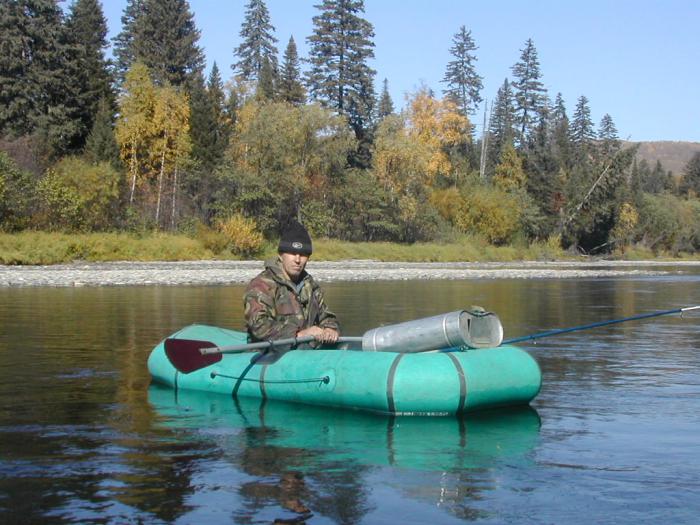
[[204, 273]]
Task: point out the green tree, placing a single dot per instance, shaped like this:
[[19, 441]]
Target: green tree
[[385, 107], [561, 145], [501, 123], [608, 139], [257, 42], [339, 50], [690, 180], [463, 83], [290, 87], [162, 35], [123, 43], [77, 195], [17, 195], [101, 144], [87, 28], [265, 88], [529, 91], [581, 131], [281, 156], [39, 76]]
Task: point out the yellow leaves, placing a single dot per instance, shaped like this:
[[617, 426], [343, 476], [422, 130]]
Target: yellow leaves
[[625, 224], [483, 210], [438, 125], [242, 234], [509, 175]]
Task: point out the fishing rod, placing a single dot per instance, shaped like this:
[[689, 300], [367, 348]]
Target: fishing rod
[[600, 323]]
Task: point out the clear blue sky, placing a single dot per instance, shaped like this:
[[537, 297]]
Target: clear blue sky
[[637, 60]]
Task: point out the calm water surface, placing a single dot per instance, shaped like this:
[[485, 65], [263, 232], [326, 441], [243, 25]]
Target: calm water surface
[[614, 436]]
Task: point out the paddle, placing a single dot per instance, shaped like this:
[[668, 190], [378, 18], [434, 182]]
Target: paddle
[[595, 325], [188, 355]]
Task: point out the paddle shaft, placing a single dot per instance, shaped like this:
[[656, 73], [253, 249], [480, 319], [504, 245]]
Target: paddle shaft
[[269, 344], [595, 325]]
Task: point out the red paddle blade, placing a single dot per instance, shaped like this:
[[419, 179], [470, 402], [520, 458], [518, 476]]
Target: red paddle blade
[[184, 354]]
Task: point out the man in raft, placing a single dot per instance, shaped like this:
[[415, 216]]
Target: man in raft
[[284, 301]]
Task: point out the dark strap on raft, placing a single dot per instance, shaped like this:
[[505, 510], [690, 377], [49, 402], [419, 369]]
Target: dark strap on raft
[[254, 360], [462, 381], [390, 384]]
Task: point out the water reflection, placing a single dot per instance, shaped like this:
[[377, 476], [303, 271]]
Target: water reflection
[[293, 451]]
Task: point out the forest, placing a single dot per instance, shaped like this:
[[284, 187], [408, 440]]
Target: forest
[[145, 140]]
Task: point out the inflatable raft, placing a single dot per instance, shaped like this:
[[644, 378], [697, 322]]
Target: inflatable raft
[[425, 383]]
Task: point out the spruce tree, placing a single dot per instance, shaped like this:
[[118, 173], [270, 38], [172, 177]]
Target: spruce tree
[[690, 180], [162, 35], [501, 123], [609, 142], [581, 131], [463, 83], [339, 50], [290, 87], [385, 107], [87, 29], [123, 43], [101, 145], [40, 77], [32, 40], [529, 91], [265, 89], [257, 42], [560, 132]]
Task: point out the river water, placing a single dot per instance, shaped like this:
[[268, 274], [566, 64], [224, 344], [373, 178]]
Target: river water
[[613, 437]]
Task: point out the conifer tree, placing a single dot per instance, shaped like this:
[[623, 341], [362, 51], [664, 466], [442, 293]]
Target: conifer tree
[[290, 87], [502, 122], [265, 89], [690, 180], [204, 126], [529, 91], [33, 53], [386, 105], [463, 83], [87, 29], [123, 43], [560, 132], [339, 50], [40, 77], [581, 131], [258, 42], [162, 35], [101, 144], [609, 142]]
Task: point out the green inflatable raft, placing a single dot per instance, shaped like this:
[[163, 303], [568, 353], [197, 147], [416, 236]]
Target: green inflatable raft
[[425, 383]]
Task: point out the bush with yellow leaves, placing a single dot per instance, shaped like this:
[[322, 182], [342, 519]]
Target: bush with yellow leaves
[[242, 235]]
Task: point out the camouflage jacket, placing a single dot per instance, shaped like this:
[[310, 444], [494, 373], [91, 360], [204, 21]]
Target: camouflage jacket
[[274, 309]]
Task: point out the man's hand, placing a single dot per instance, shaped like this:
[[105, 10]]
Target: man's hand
[[322, 335]]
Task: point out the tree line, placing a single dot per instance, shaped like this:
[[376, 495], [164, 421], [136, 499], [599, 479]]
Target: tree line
[[146, 140]]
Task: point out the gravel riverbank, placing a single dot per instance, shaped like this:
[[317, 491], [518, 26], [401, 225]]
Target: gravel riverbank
[[231, 272]]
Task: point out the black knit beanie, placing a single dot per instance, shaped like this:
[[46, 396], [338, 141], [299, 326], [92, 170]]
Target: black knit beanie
[[295, 239]]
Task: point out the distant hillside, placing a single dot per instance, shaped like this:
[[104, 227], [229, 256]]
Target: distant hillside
[[673, 155]]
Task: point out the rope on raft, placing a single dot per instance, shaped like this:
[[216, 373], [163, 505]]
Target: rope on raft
[[324, 379]]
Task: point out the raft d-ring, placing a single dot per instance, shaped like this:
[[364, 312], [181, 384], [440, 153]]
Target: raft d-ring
[[327, 382]]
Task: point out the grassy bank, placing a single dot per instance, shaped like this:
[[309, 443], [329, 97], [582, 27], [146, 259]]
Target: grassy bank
[[35, 248]]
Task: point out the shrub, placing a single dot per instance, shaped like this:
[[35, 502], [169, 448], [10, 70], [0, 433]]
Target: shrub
[[489, 212], [242, 235], [77, 195]]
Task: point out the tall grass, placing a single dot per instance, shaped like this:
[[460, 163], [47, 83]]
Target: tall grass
[[38, 248]]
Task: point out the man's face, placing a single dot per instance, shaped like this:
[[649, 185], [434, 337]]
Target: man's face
[[293, 264]]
